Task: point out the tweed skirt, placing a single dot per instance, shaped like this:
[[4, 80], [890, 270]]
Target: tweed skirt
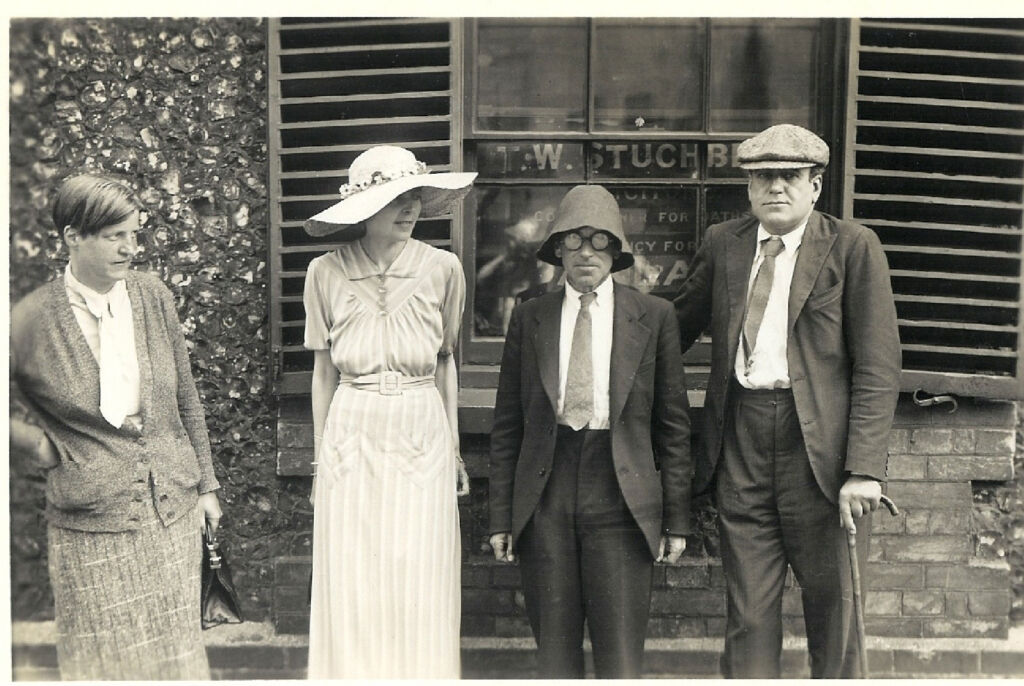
[[127, 603]]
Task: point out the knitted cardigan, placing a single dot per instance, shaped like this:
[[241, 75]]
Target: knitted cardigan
[[105, 474]]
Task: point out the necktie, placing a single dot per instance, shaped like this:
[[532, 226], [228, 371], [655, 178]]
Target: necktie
[[112, 395], [770, 248], [578, 406]]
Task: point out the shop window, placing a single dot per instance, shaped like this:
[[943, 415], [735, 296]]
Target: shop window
[[639, 106], [532, 76]]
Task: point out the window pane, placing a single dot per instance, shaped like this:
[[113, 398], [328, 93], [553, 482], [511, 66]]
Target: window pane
[[661, 227], [511, 223], [763, 73], [530, 160], [726, 202], [643, 160], [531, 76], [648, 75]]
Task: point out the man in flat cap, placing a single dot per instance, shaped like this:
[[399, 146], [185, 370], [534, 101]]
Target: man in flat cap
[[590, 450], [805, 371]]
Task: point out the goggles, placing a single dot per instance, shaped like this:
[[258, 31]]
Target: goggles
[[599, 240]]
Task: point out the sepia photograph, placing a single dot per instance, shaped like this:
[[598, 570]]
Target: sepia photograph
[[515, 347]]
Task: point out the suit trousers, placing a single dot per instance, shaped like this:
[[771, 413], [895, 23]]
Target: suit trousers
[[773, 513], [582, 557]]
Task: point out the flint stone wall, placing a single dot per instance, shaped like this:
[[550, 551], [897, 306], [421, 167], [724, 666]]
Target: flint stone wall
[[178, 109]]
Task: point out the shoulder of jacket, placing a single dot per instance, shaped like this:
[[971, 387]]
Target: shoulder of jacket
[[848, 231], [727, 226], [148, 281], [654, 303], [30, 310]]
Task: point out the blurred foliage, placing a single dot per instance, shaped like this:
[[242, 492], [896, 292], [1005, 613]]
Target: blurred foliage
[[999, 521], [177, 108]]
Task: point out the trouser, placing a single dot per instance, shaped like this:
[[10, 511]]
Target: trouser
[[583, 558], [773, 513]]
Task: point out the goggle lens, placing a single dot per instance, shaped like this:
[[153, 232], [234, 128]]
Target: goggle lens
[[599, 240]]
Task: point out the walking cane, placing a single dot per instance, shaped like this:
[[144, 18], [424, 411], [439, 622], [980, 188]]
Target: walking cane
[[858, 603]]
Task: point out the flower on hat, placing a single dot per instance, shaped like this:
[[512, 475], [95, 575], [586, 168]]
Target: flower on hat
[[380, 176]]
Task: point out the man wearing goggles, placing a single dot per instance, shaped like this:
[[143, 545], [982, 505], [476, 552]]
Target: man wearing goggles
[[591, 389]]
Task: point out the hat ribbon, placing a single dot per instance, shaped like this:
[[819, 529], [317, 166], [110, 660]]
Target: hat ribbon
[[379, 177]]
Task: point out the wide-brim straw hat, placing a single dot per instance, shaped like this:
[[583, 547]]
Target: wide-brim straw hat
[[587, 205], [378, 176]]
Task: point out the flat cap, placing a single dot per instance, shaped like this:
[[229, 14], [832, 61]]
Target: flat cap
[[784, 146]]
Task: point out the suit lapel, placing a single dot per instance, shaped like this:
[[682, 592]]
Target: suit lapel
[[629, 338], [814, 248], [546, 342], [740, 248]]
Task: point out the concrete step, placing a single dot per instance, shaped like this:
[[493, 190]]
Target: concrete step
[[254, 651]]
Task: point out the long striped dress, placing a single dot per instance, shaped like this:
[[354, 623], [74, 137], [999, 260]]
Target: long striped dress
[[386, 545]]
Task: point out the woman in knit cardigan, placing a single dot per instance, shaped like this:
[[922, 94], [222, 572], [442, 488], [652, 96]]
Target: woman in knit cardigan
[[99, 361]]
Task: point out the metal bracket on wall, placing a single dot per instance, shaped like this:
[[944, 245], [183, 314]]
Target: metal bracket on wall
[[921, 401]]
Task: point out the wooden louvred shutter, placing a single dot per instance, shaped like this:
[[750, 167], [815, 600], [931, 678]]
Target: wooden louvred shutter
[[935, 166], [337, 87]]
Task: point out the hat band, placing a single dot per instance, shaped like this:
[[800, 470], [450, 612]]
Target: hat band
[[379, 178]]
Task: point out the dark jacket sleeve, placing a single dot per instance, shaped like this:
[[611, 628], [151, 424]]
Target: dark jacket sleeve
[[873, 345], [193, 418], [693, 302], [670, 428], [507, 431]]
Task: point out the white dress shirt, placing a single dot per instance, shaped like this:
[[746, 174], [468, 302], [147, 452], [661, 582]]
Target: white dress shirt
[[601, 311], [769, 367], [89, 306]]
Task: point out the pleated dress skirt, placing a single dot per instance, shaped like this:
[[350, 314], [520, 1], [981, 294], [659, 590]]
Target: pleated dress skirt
[[386, 548], [127, 603]]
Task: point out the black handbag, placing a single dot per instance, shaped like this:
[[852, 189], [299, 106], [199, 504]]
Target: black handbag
[[218, 599]]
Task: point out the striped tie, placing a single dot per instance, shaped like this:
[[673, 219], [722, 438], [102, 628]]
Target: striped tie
[[770, 248], [578, 407]]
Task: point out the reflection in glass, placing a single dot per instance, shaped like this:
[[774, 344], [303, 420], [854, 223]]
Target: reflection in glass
[[531, 75], [726, 202], [763, 73], [648, 75], [661, 226], [511, 223]]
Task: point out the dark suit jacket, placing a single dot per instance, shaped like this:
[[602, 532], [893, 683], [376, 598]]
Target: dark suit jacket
[[650, 426], [843, 346]]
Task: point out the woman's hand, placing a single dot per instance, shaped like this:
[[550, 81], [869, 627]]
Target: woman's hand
[[461, 477], [46, 453], [209, 511], [32, 445]]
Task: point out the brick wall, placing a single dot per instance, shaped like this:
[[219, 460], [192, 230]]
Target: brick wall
[[925, 577]]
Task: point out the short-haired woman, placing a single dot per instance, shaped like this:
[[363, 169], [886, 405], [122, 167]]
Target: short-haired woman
[[99, 359]]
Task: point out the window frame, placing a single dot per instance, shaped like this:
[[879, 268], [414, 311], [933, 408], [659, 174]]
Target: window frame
[[829, 118]]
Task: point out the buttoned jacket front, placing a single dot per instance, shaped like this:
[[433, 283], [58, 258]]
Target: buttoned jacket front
[[843, 347], [106, 473], [649, 421]]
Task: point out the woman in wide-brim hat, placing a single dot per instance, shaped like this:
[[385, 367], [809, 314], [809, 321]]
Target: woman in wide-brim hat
[[382, 317]]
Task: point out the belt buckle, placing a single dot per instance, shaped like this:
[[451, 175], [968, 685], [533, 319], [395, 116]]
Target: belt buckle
[[389, 383]]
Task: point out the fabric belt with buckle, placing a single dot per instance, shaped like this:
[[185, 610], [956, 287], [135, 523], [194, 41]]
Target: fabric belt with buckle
[[387, 383]]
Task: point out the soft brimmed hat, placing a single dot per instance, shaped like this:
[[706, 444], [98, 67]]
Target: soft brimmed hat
[[378, 176], [784, 146], [592, 206]]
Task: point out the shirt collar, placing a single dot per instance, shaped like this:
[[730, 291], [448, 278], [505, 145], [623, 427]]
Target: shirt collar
[[358, 265], [604, 292], [791, 240], [97, 303]]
